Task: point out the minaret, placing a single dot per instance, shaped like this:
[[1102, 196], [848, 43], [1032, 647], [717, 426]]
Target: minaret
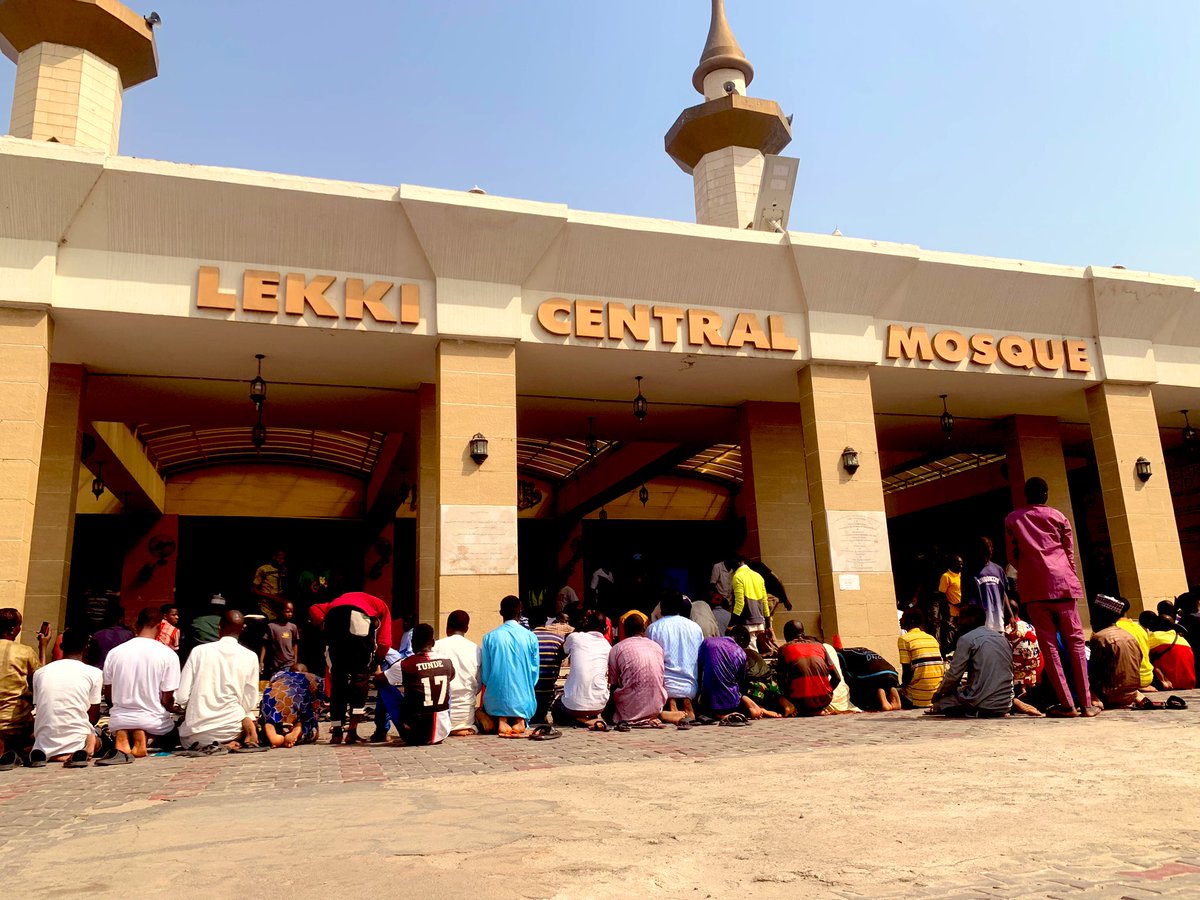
[[721, 142], [74, 60]]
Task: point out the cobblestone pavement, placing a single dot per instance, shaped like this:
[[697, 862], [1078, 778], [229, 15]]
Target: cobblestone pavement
[[57, 805]]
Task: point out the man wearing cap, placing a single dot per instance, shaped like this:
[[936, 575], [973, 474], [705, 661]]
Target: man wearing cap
[[206, 628], [1116, 660], [1040, 542]]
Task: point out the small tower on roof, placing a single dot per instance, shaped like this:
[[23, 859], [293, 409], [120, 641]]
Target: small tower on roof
[[722, 141], [75, 59]]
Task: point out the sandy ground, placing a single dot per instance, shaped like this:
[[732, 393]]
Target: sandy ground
[[926, 816]]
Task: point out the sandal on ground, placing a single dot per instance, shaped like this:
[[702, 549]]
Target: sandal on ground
[[116, 758], [9, 761], [250, 748], [1062, 712], [77, 760], [336, 735], [683, 725], [705, 720], [735, 720], [37, 759], [544, 733], [1176, 702], [1147, 703], [598, 725], [624, 726]]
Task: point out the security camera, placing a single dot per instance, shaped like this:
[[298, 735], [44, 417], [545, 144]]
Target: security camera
[[730, 87]]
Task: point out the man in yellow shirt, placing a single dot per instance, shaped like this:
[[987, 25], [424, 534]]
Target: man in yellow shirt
[[748, 586], [1146, 670], [950, 591], [920, 661]]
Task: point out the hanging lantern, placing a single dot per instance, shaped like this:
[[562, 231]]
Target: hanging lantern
[[1189, 433], [98, 481], [643, 495], [258, 387], [850, 460], [258, 435], [592, 445], [947, 419], [640, 405]]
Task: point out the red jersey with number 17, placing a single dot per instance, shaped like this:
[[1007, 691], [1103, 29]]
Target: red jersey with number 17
[[425, 715]]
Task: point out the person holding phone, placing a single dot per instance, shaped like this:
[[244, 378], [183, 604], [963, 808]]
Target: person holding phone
[[18, 662]]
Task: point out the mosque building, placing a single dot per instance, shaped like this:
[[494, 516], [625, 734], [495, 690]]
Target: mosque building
[[465, 396]]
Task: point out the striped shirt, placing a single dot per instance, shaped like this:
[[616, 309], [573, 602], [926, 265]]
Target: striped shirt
[[921, 651], [550, 657]]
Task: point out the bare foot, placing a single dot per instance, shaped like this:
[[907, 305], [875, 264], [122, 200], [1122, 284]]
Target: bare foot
[[1026, 709], [518, 727], [770, 714], [139, 745]]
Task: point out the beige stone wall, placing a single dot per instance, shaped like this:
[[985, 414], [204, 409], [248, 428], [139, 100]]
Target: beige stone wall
[[726, 183], [54, 516], [67, 94], [774, 501], [476, 392], [1141, 518], [24, 383], [1034, 449], [837, 412]]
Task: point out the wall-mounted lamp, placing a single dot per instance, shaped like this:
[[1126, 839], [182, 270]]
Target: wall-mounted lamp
[[643, 495], [640, 404], [478, 447], [258, 387], [98, 481], [947, 419], [850, 460], [1142, 468], [1189, 433], [603, 514]]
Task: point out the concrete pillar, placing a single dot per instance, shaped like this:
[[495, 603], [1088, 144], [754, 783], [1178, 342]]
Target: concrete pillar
[[427, 504], [1141, 518], [68, 95], [726, 183], [477, 504], [54, 515], [1034, 449], [774, 501], [24, 383], [854, 572]]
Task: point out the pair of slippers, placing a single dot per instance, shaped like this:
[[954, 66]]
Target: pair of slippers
[[37, 760], [735, 720], [195, 751], [1173, 702], [544, 733]]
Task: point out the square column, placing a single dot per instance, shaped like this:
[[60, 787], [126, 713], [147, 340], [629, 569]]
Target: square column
[[853, 561], [1141, 517], [24, 383], [1034, 450], [427, 505], [58, 484], [477, 503], [774, 501]]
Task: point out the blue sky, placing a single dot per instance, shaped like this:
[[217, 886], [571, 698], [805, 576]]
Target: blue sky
[[1064, 131]]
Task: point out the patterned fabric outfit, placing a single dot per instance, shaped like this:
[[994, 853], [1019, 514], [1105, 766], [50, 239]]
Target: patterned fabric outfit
[[1027, 657], [291, 699]]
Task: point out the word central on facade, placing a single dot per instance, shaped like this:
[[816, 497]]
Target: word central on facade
[[600, 319], [949, 346], [264, 292]]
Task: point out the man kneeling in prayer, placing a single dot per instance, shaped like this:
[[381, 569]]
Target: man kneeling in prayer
[[983, 657], [290, 706], [219, 688], [425, 680], [723, 679]]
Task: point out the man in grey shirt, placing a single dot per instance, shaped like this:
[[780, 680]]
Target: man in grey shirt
[[985, 658]]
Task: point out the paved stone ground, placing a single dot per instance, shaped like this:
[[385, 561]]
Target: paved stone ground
[[57, 806]]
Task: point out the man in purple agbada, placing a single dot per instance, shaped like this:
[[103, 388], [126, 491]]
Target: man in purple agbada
[[1040, 545]]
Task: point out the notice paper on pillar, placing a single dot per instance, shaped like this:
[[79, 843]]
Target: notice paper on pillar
[[858, 541], [479, 540]]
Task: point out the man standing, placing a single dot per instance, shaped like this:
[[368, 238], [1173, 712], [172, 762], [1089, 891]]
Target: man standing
[[1040, 543], [806, 681], [219, 689], [268, 584], [426, 679], [984, 658], [466, 656], [357, 629], [984, 585], [66, 694], [680, 639], [921, 665], [282, 648], [140, 680], [950, 598], [636, 674], [720, 582], [748, 587], [18, 662], [509, 671]]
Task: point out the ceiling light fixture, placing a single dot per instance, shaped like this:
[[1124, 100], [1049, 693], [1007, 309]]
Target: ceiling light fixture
[[640, 404], [947, 419]]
